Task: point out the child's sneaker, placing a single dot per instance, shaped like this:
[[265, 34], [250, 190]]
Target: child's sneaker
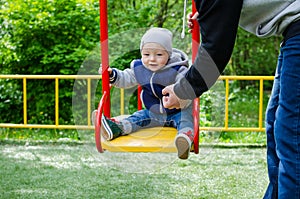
[[110, 129], [183, 144]]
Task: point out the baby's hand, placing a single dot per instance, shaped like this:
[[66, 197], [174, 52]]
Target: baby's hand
[[100, 70]]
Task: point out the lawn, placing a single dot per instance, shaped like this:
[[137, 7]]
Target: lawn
[[60, 170]]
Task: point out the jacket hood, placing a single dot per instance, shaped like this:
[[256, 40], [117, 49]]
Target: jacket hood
[[178, 57], [268, 17]]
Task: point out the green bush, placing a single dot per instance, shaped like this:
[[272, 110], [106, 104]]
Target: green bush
[[44, 38]]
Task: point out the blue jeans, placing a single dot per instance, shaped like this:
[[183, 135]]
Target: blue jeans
[[283, 125], [182, 121]]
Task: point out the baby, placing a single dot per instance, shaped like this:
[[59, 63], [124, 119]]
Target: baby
[[160, 66]]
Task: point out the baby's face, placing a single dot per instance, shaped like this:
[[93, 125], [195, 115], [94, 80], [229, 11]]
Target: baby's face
[[154, 56]]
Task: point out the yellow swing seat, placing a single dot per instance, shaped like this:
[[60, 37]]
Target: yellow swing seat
[[157, 139]]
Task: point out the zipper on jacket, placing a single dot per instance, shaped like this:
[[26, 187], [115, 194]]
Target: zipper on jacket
[[153, 91]]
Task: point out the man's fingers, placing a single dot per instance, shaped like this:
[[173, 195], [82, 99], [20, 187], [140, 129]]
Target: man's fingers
[[194, 17], [167, 90]]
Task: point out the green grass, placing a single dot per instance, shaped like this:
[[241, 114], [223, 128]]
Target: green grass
[[78, 171], [41, 163], [38, 134]]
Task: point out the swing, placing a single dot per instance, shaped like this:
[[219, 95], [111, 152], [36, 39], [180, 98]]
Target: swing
[[157, 139]]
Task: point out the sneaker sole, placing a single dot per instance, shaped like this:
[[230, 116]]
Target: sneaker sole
[[106, 131], [183, 147]]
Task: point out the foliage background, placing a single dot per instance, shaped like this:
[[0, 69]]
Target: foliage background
[[62, 37]]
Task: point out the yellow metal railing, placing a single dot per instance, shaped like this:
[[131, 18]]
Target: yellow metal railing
[[260, 127], [25, 124], [56, 78]]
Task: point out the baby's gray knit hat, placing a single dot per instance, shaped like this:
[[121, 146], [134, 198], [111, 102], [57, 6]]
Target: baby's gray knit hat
[[161, 36]]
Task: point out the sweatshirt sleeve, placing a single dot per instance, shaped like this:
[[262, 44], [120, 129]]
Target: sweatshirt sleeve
[[218, 20], [123, 79], [181, 73]]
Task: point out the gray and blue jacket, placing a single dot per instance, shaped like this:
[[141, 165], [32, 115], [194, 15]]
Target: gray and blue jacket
[[152, 83], [219, 21]]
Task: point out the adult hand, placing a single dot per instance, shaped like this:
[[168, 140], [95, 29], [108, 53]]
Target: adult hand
[[170, 100], [191, 20]]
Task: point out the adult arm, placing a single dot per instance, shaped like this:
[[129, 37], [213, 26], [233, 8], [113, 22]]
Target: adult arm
[[218, 20]]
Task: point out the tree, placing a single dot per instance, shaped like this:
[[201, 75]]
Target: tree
[[50, 37], [253, 55]]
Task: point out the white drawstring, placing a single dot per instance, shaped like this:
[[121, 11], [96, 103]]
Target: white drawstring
[[183, 20]]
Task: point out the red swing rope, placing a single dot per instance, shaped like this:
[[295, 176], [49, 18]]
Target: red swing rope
[[196, 110], [104, 54]]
